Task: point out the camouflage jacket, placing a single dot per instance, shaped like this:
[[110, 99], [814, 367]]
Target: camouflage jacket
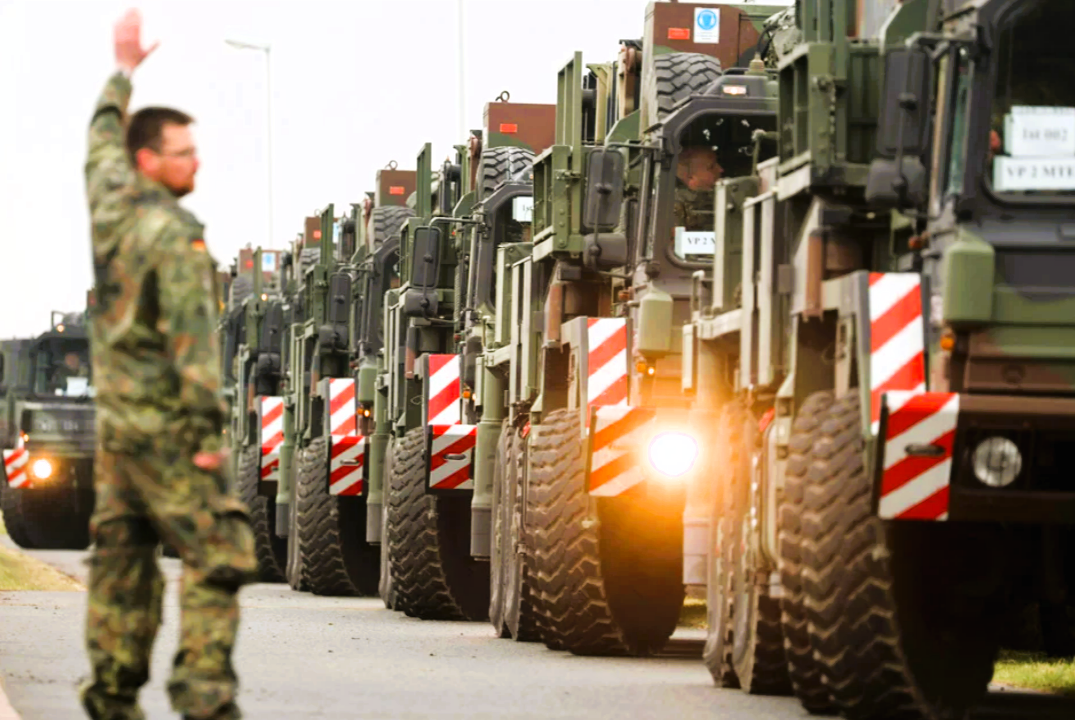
[[156, 357]]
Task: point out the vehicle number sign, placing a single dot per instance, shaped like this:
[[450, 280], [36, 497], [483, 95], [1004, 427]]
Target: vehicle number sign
[[1040, 132], [522, 209], [694, 242]]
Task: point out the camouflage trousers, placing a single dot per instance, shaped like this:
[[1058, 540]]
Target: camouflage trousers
[[142, 500]]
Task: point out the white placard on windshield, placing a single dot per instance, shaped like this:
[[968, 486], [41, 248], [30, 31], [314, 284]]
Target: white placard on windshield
[[522, 209], [268, 262], [76, 386], [695, 242], [1014, 174], [1039, 132]]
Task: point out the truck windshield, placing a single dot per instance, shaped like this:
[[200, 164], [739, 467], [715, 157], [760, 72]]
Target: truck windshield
[[714, 147], [62, 367], [1031, 150]]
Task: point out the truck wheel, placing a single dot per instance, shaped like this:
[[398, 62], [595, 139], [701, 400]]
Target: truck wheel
[[876, 592], [512, 566], [332, 529], [271, 550], [500, 549], [680, 75], [747, 649], [498, 165], [520, 608], [385, 221], [805, 672], [296, 553], [436, 578], [54, 519], [613, 587], [717, 653], [387, 586], [14, 523]]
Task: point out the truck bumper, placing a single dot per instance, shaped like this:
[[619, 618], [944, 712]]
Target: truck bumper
[[938, 458]]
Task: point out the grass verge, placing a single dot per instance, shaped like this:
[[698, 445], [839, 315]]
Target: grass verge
[[1033, 671], [22, 572]]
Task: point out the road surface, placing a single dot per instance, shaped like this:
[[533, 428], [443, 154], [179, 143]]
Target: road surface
[[301, 656]]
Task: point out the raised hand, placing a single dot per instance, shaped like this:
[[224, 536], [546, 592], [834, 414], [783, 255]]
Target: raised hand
[[128, 36]]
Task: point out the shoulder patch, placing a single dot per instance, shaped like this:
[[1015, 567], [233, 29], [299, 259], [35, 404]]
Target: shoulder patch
[[198, 245]]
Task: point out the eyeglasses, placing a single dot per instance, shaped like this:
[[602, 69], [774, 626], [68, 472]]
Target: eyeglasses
[[188, 153]]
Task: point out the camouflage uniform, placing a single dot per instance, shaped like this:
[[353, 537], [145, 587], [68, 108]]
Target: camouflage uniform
[[156, 364]]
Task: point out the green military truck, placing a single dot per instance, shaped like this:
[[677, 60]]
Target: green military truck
[[253, 328], [577, 381], [48, 437], [438, 521], [894, 388]]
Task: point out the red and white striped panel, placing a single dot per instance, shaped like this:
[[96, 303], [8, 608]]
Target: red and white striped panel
[[445, 407], [915, 487], [606, 382], [897, 339], [343, 419], [15, 462], [450, 457], [618, 433], [348, 455], [272, 437]]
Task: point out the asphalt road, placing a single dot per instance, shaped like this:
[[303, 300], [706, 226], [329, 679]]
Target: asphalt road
[[301, 656]]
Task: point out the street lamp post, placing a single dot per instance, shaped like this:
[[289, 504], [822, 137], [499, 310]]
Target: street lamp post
[[268, 115]]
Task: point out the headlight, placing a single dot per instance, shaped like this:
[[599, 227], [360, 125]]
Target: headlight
[[42, 469], [997, 462], [673, 454]]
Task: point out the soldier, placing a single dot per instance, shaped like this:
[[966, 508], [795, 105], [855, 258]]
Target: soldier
[[71, 367], [697, 172], [156, 361]]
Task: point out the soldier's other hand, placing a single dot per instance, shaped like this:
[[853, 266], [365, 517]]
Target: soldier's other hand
[[211, 460], [128, 36]]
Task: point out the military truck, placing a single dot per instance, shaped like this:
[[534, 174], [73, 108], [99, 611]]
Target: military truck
[[253, 342], [894, 387], [438, 518], [48, 437], [327, 548], [591, 491]]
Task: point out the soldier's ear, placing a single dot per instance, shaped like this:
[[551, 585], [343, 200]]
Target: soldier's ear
[[146, 161]]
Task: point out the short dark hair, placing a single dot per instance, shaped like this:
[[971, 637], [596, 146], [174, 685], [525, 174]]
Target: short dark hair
[[145, 127]]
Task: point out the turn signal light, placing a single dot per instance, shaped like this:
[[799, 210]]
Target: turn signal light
[[948, 341]]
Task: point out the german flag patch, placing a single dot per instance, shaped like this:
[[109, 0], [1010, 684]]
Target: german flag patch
[[198, 245]]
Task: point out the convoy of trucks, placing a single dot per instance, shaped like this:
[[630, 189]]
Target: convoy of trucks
[[776, 306]]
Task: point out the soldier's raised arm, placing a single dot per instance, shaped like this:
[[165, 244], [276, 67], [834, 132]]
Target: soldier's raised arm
[[108, 170]]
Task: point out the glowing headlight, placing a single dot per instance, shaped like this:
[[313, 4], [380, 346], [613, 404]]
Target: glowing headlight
[[997, 462], [673, 454], [42, 469]]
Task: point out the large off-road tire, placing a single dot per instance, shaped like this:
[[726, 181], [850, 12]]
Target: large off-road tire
[[501, 523], [296, 554], [894, 637], [436, 578], [678, 76], [332, 529], [14, 523], [385, 222], [386, 587], [610, 587], [806, 678], [271, 550], [512, 606], [242, 287], [499, 165], [51, 518], [749, 644]]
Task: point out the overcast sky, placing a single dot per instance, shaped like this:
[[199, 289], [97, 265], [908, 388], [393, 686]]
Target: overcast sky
[[354, 85]]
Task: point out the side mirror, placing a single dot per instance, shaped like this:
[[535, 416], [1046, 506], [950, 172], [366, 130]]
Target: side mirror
[[420, 299], [604, 190], [903, 125], [897, 185], [425, 260], [1, 369]]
